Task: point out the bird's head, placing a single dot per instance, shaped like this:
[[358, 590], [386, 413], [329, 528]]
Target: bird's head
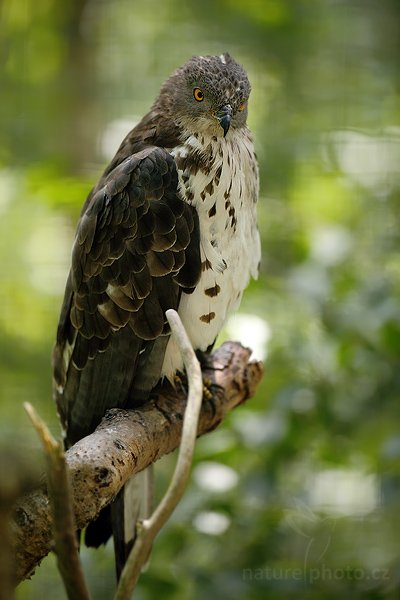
[[209, 94]]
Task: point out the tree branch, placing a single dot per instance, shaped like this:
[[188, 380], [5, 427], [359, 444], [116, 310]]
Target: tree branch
[[149, 528], [64, 530], [127, 442]]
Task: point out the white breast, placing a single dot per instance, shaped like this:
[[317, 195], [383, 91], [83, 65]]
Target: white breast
[[225, 197]]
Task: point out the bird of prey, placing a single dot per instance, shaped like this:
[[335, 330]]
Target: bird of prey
[[170, 224]]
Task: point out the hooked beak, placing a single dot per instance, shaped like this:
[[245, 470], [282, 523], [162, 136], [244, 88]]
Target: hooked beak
[[224, 116]]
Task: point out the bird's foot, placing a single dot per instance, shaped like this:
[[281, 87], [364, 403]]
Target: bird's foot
[[181, 382], [211, 389]]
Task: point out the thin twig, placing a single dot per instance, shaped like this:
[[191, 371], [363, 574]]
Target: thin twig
[[64, 529], [149, 528]]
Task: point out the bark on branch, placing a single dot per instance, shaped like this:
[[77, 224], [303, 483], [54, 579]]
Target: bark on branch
[[127, 442]]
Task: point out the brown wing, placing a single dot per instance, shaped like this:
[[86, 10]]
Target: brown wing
[[136, 248]]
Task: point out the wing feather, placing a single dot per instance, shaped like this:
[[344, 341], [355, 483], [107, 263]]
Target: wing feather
[[137, 245]]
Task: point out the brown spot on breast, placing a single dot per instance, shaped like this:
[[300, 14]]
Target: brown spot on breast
[[180, 162], [208, 317], [192, 163], [209, 188], [231, 216], [218, 174], [208, 153], [228, 191], [213, 210], [206, 265], [212, 291]]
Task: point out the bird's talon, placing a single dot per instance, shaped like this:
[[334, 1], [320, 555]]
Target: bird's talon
[[180, 382], [177, 380], [210, 388], [207, 394]]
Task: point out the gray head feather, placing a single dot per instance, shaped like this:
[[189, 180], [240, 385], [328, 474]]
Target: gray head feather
[[222, 82]]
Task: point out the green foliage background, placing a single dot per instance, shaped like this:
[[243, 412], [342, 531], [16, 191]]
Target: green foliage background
[[307, 505]]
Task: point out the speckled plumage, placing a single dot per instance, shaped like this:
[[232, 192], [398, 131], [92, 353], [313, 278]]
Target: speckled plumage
[[170, 224], [225, 199]]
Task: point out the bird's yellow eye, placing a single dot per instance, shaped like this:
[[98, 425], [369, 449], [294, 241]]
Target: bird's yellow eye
[[198, 94], [242, 106]]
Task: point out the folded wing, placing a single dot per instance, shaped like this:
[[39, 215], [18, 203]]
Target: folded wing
[[136, 249]]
